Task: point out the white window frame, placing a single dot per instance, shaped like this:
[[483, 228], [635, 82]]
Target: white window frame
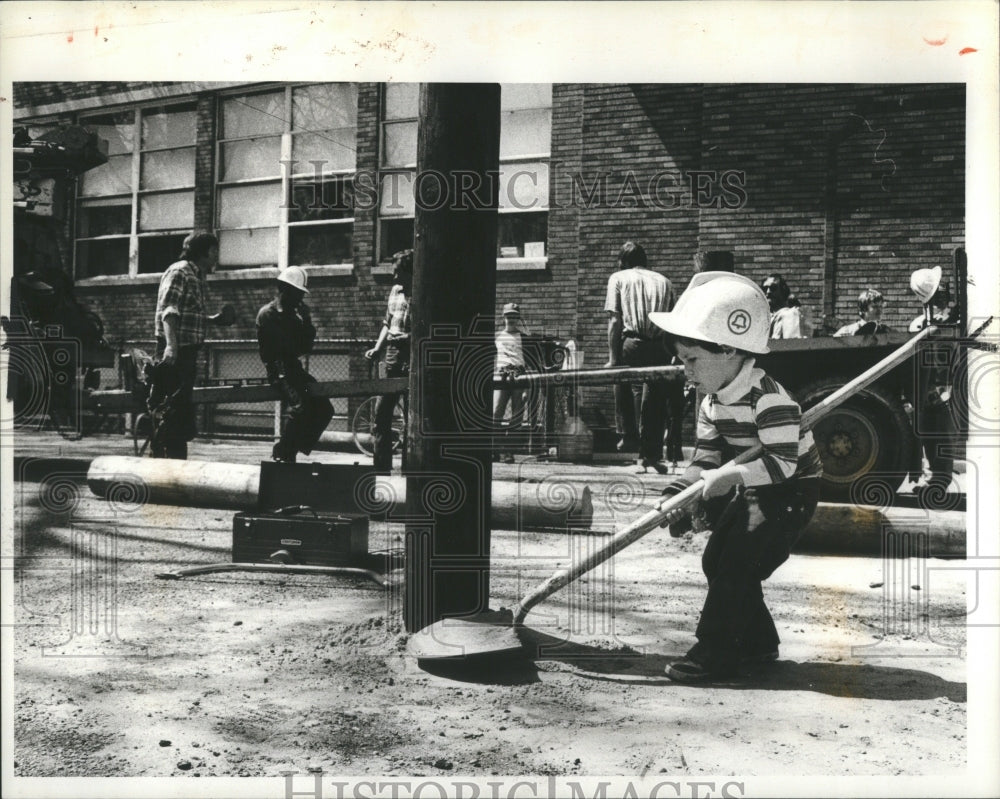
[[383, 265], [136, 193], [286, 178]]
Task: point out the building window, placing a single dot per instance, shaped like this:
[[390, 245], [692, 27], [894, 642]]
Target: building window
[[286, 163], [133, 212], [525, 143]]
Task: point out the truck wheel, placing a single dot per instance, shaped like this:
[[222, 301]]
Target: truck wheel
[[865, 445]]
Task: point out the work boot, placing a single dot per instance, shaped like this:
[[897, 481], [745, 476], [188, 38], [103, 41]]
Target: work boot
[[649, 463]]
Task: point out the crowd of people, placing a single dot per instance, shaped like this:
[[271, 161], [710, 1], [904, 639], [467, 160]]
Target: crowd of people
[[649, 413], [714, 331]]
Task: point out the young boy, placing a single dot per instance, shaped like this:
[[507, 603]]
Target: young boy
[[756, 510]]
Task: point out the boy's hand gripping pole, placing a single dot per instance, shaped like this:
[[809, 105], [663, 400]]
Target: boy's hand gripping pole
[[671, 508]]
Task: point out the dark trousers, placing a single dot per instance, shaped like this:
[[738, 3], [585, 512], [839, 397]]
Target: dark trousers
[[676, 408], [307, 417], [936, 425], [735, 622], [397, 364], [170, 403], [640, 408]]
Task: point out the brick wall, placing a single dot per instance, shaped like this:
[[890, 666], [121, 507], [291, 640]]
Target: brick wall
[[844, 186], [629, 136], [861, 184]]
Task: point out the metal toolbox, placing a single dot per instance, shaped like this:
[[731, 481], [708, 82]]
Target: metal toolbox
[[327, 487], [299, 535]]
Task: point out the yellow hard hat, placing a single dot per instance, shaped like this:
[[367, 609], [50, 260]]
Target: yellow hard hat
[[721, 308]]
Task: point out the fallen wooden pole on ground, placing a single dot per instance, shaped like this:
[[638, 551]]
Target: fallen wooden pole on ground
[[888, 532], [545, 505]]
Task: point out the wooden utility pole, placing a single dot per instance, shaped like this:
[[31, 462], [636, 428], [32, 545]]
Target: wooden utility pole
[[449, 468]]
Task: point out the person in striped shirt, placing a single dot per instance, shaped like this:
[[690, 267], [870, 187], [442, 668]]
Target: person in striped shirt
[[755, 510]]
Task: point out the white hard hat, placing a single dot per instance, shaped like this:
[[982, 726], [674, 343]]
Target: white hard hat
[[721, 308], [294, 276], [924, 283]]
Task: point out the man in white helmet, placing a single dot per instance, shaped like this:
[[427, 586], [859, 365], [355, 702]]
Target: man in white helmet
[[285, 332], [935, 423], [755, 510]]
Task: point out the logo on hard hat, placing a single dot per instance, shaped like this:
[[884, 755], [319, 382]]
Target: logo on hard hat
[[738, 322]]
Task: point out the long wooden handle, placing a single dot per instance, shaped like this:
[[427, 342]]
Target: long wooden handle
[[670, 509]]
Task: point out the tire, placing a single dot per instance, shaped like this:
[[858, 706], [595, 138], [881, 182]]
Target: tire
[[363, 426], [865, 444]]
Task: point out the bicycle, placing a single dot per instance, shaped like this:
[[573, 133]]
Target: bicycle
[[363, 421]]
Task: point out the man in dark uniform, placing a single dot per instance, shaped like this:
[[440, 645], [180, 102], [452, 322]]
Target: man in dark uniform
[[285, 332]]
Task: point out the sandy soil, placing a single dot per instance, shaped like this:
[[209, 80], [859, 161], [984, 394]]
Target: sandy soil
[[118, 673]]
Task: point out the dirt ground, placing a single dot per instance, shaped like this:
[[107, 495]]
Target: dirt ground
[[118, 673]]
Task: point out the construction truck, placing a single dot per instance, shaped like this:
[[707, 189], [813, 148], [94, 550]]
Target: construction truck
[[53, 344]]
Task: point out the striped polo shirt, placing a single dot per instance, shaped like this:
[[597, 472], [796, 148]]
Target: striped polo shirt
[[755, 409]]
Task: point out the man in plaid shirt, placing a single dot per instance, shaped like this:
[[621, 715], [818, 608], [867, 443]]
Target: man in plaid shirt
[[180, 332]]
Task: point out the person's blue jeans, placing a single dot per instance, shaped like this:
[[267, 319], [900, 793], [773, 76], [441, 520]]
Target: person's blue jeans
[[735, 622], [397, 364]]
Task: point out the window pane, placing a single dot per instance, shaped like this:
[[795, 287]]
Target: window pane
[[104, 217], [239, 249], [525, 95], [394, 235], [325, 105], [524, 186], [334, 148], [250, 206], [167, 169], [174, 128], [516, 229], [166, 211], [156, 253], [252, 158], [401, 100], [325, 199], [114, 177], [396, 197], [525, 133], [103, 257], [320, 244], [400, 144], [118, 130], [253, 115]]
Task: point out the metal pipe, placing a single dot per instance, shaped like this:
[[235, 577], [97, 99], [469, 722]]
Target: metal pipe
[[593, 377]]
